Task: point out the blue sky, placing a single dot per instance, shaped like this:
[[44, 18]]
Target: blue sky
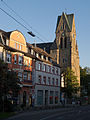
[[42, 15]]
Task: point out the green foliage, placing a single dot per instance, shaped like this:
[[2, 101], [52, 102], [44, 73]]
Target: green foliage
[[8, 84], [71, 83], [8, 80], [85, 81]]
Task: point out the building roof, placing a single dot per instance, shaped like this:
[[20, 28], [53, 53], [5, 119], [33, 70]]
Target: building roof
[[39, 50], [5, 34], [54, 45], [45, 46], [69, 19]]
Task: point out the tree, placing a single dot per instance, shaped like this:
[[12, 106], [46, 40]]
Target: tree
[[8, 82], [85, 81], [71, 83]]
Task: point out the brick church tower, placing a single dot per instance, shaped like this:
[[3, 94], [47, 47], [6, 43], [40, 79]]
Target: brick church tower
[[64, 48]]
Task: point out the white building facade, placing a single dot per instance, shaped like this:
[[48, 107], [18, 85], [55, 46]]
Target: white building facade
[[46, 84]]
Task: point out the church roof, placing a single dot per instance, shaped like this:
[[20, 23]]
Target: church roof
[[69, 19], [45, 46], [54, 45]]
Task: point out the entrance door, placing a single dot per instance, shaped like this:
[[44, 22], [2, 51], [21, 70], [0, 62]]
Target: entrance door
[[24, 97], [46, 97]]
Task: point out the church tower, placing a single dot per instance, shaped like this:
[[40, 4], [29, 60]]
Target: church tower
[[64, 48]]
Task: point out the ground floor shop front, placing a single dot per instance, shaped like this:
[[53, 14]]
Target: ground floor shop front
[[46, 96]]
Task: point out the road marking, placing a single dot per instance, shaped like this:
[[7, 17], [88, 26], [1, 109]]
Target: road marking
[[58, 114]]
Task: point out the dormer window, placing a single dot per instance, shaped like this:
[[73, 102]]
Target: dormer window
[[46, 58], [37, 55], [32, 51], [42, 57], [7, 42]]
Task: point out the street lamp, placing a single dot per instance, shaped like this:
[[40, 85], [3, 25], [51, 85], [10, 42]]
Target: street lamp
[[30, 33]]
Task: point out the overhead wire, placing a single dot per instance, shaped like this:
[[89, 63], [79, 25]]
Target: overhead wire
[[23, 21]]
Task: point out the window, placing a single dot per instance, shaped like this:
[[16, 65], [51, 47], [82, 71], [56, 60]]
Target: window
[[51, 97], [57, 71], [25, 76], [65, 42], [37, 55], [49, 69], [39, 79], [49, 81], [15, 59], [32, 51], [44, 67], [7, 42], [52, 81], [61, 42], [56, 97], [63, 26], [15, 45], [28, 76], [20, 60], [56, 82], [44, 80], [20, 76], [25, 62], [62, 80], [41, 56], [53, 70], [39, 66], [18, 46], [46, 58], [8, 57]]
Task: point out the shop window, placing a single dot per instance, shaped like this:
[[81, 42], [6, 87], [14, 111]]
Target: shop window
[[39, 97], [51, 97], [56, 97]]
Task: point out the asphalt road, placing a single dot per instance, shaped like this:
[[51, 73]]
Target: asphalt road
[[77, 113]]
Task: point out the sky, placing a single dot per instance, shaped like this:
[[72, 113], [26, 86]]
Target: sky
[[40, 17]]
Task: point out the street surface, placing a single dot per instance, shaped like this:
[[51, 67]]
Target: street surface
[[75, 113]]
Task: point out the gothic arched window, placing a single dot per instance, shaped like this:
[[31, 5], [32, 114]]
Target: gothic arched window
[[61, 42], [65, 42]]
